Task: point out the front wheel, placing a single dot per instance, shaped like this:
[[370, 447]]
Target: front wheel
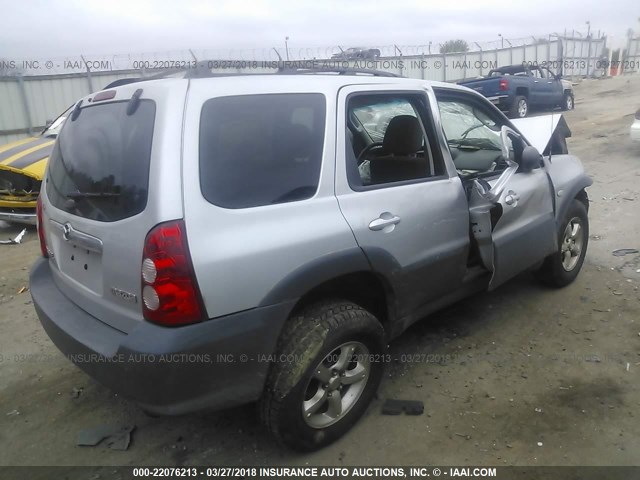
[[520, 107], [567, 102], [326, 372], [562, 267]]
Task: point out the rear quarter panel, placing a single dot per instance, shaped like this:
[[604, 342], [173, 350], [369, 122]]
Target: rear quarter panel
[[241, 255]]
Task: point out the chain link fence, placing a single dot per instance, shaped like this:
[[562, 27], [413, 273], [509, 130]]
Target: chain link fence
[[34, 91]]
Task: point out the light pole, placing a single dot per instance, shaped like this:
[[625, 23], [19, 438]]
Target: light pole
[[286, 46], [501, 40], [588, 28]]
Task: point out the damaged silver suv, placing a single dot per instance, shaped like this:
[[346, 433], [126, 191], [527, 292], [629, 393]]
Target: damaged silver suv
[[209, 242]]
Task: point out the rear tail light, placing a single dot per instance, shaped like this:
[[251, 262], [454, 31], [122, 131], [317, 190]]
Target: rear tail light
[[638, 115], [504, 84], [40, 226], [170, 294]]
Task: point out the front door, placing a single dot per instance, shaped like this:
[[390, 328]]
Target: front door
[[511, 211], [555, 88], [525, 233], [539, 93]]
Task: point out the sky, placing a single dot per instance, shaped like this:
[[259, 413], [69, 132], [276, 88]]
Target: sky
[[35, 29]]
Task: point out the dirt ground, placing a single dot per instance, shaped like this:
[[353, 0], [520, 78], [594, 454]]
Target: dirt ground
[[534, 376]]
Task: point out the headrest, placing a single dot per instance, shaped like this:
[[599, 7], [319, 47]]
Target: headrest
[[403, 136]]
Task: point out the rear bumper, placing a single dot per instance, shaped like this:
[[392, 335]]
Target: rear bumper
[[214, 364], [26, 216], [503, 102]]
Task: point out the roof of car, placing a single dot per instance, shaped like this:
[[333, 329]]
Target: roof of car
[[269, 83]]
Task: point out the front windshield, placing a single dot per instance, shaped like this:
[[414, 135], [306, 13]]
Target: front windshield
[[466, 125], [54, 129]]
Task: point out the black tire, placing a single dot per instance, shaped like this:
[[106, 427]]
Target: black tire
[[309, 337], [515, 111], [567, 102], [552, 272]]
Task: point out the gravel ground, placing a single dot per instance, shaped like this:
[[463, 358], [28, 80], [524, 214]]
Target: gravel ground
[[531, 376]]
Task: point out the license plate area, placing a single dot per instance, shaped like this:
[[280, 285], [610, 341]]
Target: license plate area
[[78, 256]]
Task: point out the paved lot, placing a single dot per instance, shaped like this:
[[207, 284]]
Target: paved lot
[[525, 364]]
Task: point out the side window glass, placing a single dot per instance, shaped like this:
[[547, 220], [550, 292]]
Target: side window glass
[[260, 150], [375, 118], [473, 136], [387, 140]]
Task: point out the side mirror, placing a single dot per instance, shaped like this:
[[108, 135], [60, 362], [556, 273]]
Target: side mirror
[[509, 139], [530, 160]]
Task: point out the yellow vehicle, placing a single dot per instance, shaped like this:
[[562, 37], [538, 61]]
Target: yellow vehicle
[[22, 166]]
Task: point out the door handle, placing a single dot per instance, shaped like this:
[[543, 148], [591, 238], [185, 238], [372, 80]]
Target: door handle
[[383, 221], [511, 198], [535, 81]]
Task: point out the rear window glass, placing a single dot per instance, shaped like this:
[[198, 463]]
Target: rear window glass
[[261, 149], [99, 168]]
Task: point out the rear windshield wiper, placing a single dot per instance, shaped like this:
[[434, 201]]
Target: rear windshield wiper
[[74, 195]]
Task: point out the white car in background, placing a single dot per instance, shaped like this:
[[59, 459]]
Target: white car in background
[[635, 128]]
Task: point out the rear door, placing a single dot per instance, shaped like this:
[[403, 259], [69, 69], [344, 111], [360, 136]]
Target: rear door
[[407, 212], [105, 188]]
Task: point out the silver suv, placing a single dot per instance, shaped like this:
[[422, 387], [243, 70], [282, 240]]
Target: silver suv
[[209, 242]]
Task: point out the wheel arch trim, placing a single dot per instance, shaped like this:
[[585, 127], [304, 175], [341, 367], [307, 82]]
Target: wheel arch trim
[[569, 193]]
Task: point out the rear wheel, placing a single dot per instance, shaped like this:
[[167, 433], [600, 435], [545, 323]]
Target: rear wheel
[[520, 107], [562, 268], [327, 371]]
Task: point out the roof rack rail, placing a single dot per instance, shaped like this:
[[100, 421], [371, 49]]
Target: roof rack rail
[[338, 70], [201, 70]]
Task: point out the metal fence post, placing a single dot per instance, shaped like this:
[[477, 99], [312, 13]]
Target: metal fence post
[[610, 60], [581, 53], [510, 52], [589, 56], [480, 57], [422, 66], [549, 51], [89, 82], [464, 75], [25, 103], [444, 67]]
